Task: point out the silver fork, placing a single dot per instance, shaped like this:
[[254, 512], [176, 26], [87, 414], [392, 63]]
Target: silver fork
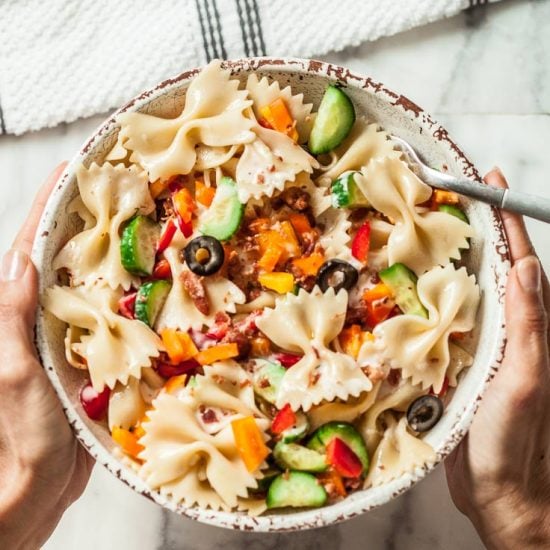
[[514, 201]]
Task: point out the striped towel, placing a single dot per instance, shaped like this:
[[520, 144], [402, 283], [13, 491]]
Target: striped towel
[[65, 59]]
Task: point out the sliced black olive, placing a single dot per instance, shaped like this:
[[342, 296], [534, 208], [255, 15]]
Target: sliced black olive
[[337, 274], [204, 255], [424, 413]]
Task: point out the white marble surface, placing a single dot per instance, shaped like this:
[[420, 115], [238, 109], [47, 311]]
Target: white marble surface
[[486, 76]]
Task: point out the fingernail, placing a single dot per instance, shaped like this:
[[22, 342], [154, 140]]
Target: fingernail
[[528, 270], [496, 169], [14, 264]]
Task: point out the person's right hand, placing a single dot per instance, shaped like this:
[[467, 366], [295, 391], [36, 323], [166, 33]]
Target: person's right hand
[[43, 469], [499, 476]]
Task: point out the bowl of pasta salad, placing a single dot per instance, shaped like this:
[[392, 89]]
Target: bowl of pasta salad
[[253, 310]]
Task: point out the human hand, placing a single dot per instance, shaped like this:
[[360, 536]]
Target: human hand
[[499, 476], [43, 469]]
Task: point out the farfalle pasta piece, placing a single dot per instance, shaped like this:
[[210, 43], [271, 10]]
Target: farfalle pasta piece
[[419, 240], [268, 162], [110, 195], [365, 142], [263, 92], [179, 311], [334, 237], [189, 448], [394, 398], [115, 348], [398, 453], [126, 405], [419, 346], [342, 411], [308, 323], [214, 115]]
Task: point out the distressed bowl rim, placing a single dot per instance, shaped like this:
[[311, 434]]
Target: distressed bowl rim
[[359, 502]]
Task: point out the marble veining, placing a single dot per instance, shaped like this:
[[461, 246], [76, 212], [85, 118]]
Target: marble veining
[[484, 75]]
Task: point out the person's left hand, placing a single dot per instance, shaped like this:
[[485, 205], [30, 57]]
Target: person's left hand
[[43, 469]]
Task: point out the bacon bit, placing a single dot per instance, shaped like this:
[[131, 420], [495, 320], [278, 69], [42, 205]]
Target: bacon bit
[[314, 378], [259, 224], [208, 415], [260, 179], [296, 198], [195, 288], [457, 336], [332, 481], [245, 383], [222, 321], [394, 377]]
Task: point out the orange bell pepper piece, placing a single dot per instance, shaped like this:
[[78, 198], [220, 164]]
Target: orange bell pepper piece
[[277, 115], [270, 257], [249, 442], [440, 196], [379, 302], [174, 383], [127, 440], [217, 353], [334, 479], [179, 345], [309, 265], [184, 204], [352, 338], [377, 292], [203, 194], [300, 223], [158, 187]]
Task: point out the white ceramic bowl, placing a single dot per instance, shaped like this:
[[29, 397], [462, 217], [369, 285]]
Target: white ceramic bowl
[[488, 259]]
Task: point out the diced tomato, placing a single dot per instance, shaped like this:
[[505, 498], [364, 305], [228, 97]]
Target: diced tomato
[[176, 182], [283, 420], [167, 236], [127, 304], [162, 270], [94, 403], [361, 243], [287, 359], [166, 370], [343, 459]]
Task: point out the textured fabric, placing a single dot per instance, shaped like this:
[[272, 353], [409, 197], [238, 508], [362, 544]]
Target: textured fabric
[[65, 59]]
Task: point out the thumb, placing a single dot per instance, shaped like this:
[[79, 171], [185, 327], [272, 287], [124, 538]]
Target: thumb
[[18, 294], [526, 317]]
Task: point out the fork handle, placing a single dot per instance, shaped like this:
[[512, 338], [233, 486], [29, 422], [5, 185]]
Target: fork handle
[[513, 201]]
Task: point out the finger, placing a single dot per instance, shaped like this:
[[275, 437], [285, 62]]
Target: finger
[[25, 237], [526, 317], [518, 238]]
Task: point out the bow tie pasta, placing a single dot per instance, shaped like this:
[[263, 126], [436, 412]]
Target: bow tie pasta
[[261, 295], [307, 324]]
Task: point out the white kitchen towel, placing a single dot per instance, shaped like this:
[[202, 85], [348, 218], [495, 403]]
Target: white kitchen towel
[[65, 59]]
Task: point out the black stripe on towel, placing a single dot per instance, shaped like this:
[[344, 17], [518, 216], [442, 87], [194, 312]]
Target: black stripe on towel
[[223, 52], [255, 27], [2, 122], [210, 23], [244, 30], [205, 44]]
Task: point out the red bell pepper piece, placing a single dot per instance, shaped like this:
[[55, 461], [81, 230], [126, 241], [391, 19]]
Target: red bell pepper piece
[[162, 270], [287, 359], [185, 227], [283, 420], [167, 236], [127, 304], [343, 459], [361, 243], [379, 311], [444, 388], [166, 370]]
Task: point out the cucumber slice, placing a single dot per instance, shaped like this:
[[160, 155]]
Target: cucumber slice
[[150, 299], [347, 433], [402, 282], [298, 431], [346, 193], [138, 245], [291, 456], [297, 490], [454, 211], [224, 215], [267, 379], [333, 123]]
